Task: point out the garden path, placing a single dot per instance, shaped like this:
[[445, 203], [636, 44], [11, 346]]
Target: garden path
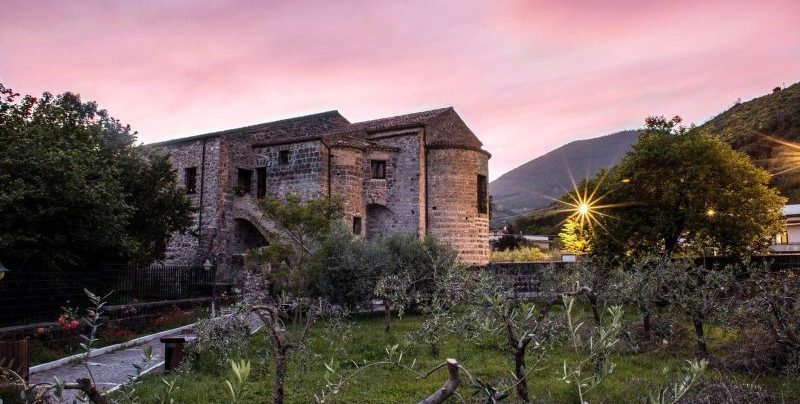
[[110, 369]]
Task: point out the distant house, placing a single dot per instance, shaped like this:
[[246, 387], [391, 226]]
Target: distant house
[[789, 241]]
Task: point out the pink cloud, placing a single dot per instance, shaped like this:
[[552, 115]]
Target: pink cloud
[[527, 76]]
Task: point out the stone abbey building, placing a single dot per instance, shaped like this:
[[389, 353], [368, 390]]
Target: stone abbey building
[[418, 173]]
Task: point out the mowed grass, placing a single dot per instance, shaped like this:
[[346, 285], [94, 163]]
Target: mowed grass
[[634, 377]]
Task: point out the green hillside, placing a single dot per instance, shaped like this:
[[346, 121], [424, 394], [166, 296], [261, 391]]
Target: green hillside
[[749, 127]]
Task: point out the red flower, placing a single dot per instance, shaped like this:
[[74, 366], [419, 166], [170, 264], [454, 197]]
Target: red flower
[[62, 320], [41, 331], [74, 323]]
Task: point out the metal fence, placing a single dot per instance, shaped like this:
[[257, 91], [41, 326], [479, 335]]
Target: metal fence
[[32, 296]]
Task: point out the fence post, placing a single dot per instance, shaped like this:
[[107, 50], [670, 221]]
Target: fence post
[[213, 268], [14, 355]]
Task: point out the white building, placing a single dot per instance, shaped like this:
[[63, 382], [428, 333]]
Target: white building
[[789, 241]]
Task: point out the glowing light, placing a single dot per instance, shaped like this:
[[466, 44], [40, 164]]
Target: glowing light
[[711, 212], [583, 209]]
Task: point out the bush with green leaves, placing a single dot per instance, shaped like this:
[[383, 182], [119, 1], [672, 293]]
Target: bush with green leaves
[[350, 268], [220, 340]]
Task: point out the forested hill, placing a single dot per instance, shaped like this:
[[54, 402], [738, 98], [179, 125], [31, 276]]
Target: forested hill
[[528, 186], [748, 127]]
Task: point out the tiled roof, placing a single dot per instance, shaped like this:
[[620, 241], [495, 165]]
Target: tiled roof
[[445, 129], [307, 126]]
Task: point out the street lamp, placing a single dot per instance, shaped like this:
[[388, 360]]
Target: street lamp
[[3, 271], [213, 268]]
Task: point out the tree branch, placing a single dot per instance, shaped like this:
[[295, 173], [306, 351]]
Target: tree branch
[[449, 387]]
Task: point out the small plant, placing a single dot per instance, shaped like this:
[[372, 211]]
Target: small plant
[[686, 380], [237, 386]]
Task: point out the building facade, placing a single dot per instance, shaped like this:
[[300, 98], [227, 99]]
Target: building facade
[[421, 173], [788, 242]]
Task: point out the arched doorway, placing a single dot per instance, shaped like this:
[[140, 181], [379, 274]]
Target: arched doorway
[[379, 220], [246, 236]]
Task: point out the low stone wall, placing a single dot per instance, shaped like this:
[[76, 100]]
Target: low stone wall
[[527, 276]]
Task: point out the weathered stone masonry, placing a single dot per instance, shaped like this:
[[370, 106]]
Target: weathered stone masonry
[[422, 173]]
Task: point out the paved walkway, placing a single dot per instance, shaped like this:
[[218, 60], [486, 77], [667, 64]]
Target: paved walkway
[[110, 369]]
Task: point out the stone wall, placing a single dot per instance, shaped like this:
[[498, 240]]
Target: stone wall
[[453, 214], [302, 175], [188, 248], [346, 182], [401, 191]]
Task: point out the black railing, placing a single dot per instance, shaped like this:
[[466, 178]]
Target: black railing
[[32, 296]]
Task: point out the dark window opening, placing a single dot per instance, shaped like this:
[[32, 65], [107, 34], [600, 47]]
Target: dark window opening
[[483, 205], [283, 157], [357, 225], [245, 180], [190, 178], [378, 169], [261, 182]]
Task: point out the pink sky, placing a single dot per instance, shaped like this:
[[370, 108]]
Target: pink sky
[[526, 76]]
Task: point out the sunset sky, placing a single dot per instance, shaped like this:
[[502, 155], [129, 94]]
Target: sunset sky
[[527, 77]]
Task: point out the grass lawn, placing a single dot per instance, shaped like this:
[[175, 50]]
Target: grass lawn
[[634, 377]]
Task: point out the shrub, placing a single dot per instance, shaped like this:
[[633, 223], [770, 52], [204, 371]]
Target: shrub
[[522, 254], [219, 340], [348, 277]]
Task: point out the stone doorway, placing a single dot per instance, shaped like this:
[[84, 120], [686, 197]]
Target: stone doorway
[[379, 220]]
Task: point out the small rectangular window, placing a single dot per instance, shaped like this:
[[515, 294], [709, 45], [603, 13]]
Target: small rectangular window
[[261, 182], [378, 169], [357, 225], [245, 180], [483, 206], [190, 179], [283, 157]]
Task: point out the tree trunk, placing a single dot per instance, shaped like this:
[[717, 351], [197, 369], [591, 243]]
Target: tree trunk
[[280, 375], [595, 311], [701, 339], [94, 395], [387, 316], [519, 370], [646, 323]]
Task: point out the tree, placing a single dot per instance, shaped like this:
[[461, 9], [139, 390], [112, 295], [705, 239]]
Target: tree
[[350, 267], [410, 271], [682, 192], [298, 231], [76, 191], [299, 228], [574, 236]]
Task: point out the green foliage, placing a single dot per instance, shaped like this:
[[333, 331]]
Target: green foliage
[[300, 227], [748, 126], [687, 379], [350, 268], [220, 340], [574, 236], [596, 364], [410, 268], [74, 189], [679, 191], [237, 386], [635, 376], [522, 254]]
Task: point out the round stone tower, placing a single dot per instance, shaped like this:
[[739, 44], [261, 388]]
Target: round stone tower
[[458, 200]]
